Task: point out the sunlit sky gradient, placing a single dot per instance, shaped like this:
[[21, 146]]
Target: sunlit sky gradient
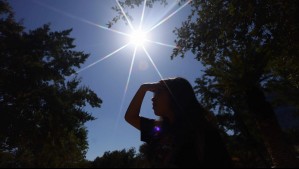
[[107, 69]]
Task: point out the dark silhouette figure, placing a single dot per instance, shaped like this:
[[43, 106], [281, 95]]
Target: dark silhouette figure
[[182, 137]]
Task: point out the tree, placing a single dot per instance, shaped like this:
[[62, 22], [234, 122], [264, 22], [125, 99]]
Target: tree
[[123, 159], [116, 159], [249, 49], [239, 42], [41, 102], [131, 4]]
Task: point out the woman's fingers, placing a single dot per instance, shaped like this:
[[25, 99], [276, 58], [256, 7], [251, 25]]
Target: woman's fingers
[[151, 86]]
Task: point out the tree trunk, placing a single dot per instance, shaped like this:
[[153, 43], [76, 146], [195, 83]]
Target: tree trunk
[[260, 148], [282, 154]]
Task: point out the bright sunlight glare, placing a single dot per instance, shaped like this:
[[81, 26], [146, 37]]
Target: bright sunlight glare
[[138, 38]]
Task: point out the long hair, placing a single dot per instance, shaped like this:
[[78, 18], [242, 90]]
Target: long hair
[[189, 124], [184, 103], [195, 136]]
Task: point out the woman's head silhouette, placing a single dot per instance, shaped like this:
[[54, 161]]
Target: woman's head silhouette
[[183, 137], [175, 99]]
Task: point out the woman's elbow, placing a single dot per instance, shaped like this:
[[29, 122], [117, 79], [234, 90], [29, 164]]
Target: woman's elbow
[[133, 120], [128, 118]]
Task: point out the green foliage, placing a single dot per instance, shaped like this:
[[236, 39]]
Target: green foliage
[[241, 44], [247, 48], [120, 159], [131, 4], [41, 103]]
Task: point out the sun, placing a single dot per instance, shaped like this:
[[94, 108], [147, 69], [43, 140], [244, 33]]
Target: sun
[[138, 38]]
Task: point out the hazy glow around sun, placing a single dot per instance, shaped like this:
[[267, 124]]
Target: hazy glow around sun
[[138, 38]]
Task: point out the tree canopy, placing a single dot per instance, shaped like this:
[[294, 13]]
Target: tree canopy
[[244, 47], [249, 50], [125, 158], [41, 101]]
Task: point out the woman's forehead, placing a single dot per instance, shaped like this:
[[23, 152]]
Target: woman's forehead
[[162, 84], [162, 89]]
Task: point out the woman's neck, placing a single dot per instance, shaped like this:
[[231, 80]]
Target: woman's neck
[[169, 116]]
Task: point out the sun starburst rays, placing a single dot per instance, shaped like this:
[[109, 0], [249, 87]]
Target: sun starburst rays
[[169, 16], [137, 37], [125, 15], [150, 58], [160, 43], [142, 15], [106, 57], [126, 88]]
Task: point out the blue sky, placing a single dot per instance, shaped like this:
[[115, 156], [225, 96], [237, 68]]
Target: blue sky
[[108, 78]]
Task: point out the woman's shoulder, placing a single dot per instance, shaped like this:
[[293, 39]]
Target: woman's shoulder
[[215, 148], [150, 129], [150, 122]]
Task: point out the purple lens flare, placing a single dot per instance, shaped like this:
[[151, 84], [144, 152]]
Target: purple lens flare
[[157, 128]]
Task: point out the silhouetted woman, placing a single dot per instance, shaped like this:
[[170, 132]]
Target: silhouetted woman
[[182, 137]]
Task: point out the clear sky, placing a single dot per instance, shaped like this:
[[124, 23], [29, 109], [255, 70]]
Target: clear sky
[[109, 77]]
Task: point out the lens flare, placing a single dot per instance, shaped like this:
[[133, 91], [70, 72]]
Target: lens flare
[[157, 129]]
